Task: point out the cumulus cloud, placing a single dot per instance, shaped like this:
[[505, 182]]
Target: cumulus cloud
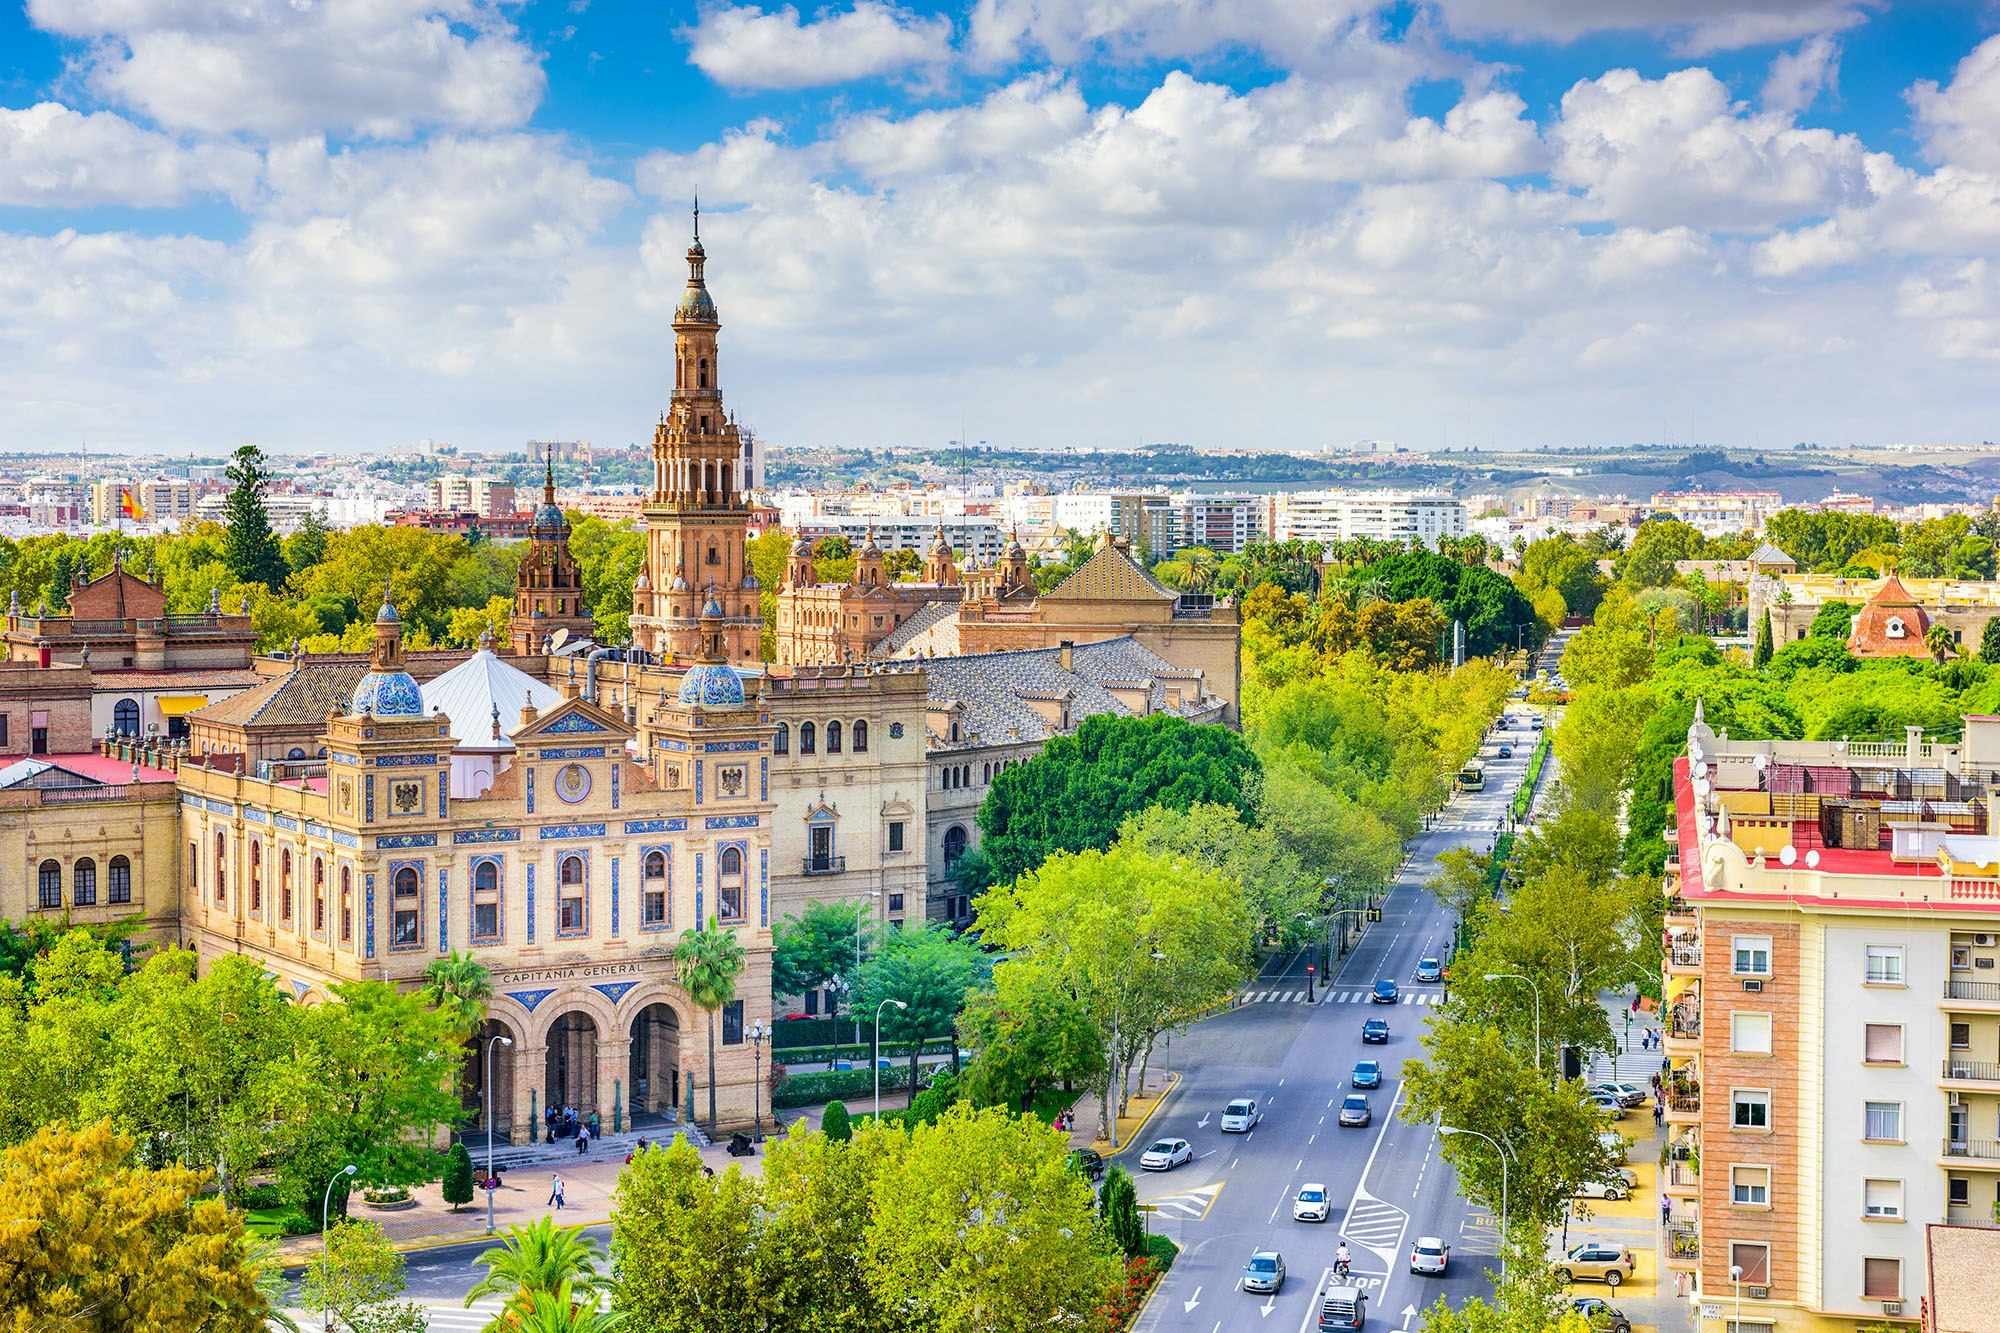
[[1960, 122], [377, 68], [52, 156], [1003, 30], [1698, 26], [1677, 150], [1797, 78], [742, 46]]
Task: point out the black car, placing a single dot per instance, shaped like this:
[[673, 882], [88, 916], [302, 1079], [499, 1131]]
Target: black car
[[1086, 1163], [1601, 1314], [1375, 1030], [1385, 991]]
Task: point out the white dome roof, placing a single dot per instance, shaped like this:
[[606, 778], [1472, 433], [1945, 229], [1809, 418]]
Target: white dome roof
[[470, 691]]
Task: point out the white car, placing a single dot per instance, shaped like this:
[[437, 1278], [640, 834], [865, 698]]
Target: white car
[[1429, 1255], [1312, 1204], [1622, 1182], [1241, 1116], [1165, 1155]]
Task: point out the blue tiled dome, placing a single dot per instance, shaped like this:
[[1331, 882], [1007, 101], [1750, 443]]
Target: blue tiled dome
[[548, 518], [389, 694], [696, 303], [711, 607], [712, 685]]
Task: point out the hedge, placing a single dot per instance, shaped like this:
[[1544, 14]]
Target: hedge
[[810, 1055], [1524, 797], [788, 1033], [836, 1084]]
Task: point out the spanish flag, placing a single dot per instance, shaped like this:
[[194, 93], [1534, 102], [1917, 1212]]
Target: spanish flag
[[128, 503]]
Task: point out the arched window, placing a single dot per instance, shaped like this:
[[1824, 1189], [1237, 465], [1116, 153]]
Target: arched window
[[713, 558], [653, 890], [486, 901], [285, 884], [860, 736], [125, 717], [406, 908], [701, 373], [729, 884], [572, 870], [121, 880], [256, 876], [805, 738], [954, 845], [732, 861], [347, 898], [83, 883], [485, 876], [319, 895], [781, 743], [570, 917], [295, 753], [221, 864], [833, 738], [50, 886]]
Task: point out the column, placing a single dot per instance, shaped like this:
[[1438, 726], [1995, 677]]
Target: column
[[614, 1082], [530, 1062]]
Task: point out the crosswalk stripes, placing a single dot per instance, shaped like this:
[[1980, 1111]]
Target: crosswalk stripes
[[1187, 1206], [443, 1317], [1375, 1224], [1255, 996]]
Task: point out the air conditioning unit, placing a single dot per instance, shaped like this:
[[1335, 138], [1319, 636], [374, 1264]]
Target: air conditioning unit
[[1961, 1071], [1985, 941], [1753, 986], [1760, 1293], [1892, 1307]]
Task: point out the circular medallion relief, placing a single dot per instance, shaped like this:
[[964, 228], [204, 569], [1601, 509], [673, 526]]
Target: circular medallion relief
[[572, 782]]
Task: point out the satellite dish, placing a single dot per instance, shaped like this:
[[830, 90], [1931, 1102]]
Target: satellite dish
[[558, 639], [1788, 854], [1762, 762], [1812, 859]]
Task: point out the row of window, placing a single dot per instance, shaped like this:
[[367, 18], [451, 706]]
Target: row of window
[[809, 737], [83, 883], [1751, 957], [956, 777], [1881, 1279]]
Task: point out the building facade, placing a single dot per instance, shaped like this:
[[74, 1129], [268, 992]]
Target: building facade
[[830, 624], [548, 589], [1389, 516]]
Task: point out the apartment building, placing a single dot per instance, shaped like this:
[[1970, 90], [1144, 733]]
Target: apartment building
[[1833, 1028], [1390, 516], [484, 496], [162, 502], [1719, 511]]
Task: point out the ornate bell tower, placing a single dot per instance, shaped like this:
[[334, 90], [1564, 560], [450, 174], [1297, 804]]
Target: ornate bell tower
[[697, 519]]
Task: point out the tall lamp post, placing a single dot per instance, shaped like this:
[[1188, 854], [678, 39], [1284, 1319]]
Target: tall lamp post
[[1736, 1280], [325, 1264], [758, 1036], [1501, 1149], [487, 1088], [1536, 991], [860, 906], [878, 1054]]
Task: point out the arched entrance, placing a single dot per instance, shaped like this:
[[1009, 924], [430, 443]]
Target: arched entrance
[[570, 1078], [474, 1097], [655, 1062]]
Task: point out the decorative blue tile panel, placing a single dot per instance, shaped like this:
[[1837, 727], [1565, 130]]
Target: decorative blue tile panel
[[395, 840], [529, 998], [285, 822], [300, 988], [764, 779], [444, 787], [614, 897], [614, 990], [663, 743], [368, 785], [255, 816], [531, 902], [407, 761], [697, 782], [575, 752], [575, 722], [764, 886], [614, 783], [345, 839], [572, 831], [721, 747], [315, 830], [444, 911], [732, 821], [340, 758], [218, 807], [531, 791], [368, 898], [466, 837], [656, 826]]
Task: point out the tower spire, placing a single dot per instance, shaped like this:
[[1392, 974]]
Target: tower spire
[[697, 217], [548, 477]]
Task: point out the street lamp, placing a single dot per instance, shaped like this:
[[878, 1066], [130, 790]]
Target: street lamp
[[1502, 1150], [860, 906], [1536, 991], [488, 1090], [1736, 1279], [878, 1055], [325, 1265], [758, 1036]]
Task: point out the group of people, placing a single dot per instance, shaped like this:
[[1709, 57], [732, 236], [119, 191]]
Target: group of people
[[1649, 1039], [565, 1124]]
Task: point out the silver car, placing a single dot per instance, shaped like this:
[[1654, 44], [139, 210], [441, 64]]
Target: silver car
[[1619, 1185], [1266, 1272], [1355, 1112]]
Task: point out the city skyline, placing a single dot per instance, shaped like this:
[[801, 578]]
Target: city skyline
[[1473, 223]]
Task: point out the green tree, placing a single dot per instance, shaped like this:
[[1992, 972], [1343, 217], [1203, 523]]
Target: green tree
[[540, 1258], [817, 945], [1562, 565], [252, 550], [1989, 641], [900, 563], [1463, 881], [609, 556], [358, 1281], [1938, 638], [91, 1241], [1030, 1034], [835, 1123], [1649, 561], [709, 962], [558, 1311], [61, 579], [1761, 656], [819, 1197], [456, 1184], [1610, 658], [685, 1246], [1118, 1206], [1280, 890], [929, 970], [1074, 795], [306, 546], [1834, 620], [461, 987]]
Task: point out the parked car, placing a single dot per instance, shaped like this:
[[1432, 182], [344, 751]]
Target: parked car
[[1596, 1261], [1601, 1314], [1355, 1112], [1385, 991], [1266, 1272], [1430, 970], [1606, 1105], [1502, 723], [1620, 1146], [1536, 723], [1241, 1116], [1165, 1155], [1429, 1255], [1312, 1205], [1375, 1031], [1367, 1074], [1629, 1093], [1619, 1185], [1086, 1163]]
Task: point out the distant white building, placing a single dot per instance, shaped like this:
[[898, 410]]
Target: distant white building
[[1391, 516]]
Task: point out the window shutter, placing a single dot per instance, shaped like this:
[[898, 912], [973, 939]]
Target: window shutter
[[1885, 1043]]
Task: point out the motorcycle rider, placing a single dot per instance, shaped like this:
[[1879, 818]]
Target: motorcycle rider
[[1340, 1259]]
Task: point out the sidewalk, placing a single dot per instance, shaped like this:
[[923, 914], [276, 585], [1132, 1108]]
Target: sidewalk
[[1088, 1129]]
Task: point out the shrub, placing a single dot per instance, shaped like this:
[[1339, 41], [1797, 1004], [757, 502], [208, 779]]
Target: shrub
[[925, 1107], [810, 1089], [257, 1198], [296, 1223], [835, 1124], [457, 1182], [1140, 1275], [1161, 1251]]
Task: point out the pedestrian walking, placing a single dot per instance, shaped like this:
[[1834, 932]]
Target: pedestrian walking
[[1659, 1114], [1666, 1208], [583, 1140], [556, 1192]]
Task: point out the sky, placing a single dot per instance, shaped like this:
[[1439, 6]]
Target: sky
[[356, 224]]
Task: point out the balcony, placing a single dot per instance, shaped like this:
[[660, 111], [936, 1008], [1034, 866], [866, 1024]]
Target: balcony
[[1972, 996], [1969, 1076], [1970, 1217], [1683, 1104], [1684, 958], [1973, 1154], [1683, 1245], [1680, 912], [826, 865], [1684, 1029], [1683, 1179]]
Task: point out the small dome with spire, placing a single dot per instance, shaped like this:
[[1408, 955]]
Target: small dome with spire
[[711, 607], [940, 546], [869, 550], [802, 547], [696, 304], [712, 685]]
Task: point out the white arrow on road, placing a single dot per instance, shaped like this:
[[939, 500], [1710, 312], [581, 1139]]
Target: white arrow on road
[[1194, 1300], [1203, 1122], [1409, 1313], [1265, 1308]]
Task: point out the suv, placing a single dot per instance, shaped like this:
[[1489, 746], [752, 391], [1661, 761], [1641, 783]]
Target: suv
[[1385, 991], [1241, 1116], [1601, 1315], [1596, 1261], [1376, 1031], [1343, 1308], [1086, 1163]]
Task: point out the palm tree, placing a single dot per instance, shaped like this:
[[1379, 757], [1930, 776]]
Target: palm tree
[[460, 984], [709, 961], [540, 1259], [558, 1311], [1938, 640], [1201, 567]]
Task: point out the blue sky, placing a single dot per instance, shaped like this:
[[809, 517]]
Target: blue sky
[[1274, 223]]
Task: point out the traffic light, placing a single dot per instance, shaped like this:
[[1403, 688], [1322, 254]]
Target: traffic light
[[1374, 914]]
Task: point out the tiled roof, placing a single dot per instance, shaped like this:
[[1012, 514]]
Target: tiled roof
[[304, 695], [993, 689], [1110, 575], [131, 678], [922, 619], [1768, 554], [1963, 1278]]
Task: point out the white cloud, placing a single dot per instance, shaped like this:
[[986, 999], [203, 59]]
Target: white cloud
[[1676, 150], [1797, 78], [1960, 123], [742, 46], [1699, 26], [378, 68], [1001, 30], [54, 157]]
